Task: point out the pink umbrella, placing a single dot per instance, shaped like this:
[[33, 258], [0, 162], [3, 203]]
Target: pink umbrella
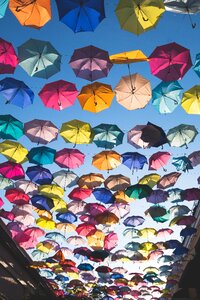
[[66, 251], [77, 207], [89, 219], [159, 160], [79, 194], [27, 186], [134, 137], [17, 196], [58, 94], [76, 240], [69, 158], [95, 209], [164, 232], [1, 202], [34, 232], [155, 254], [119, 209], [170, 62], [12, 170], [7, 215], [110, 241], [25, 218], [8, 57]]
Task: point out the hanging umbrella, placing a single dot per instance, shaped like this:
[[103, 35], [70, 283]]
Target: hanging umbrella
[[40, 131], [12, 170], [77, 207], [103, 195], [85, 267], [107, 136], [153, 135], [59, 94], [119, 209], [79, 194], [31, 13], [110, 241], [96, 97], [179, 210], [16, 92], [96, 240], [17, 196], [139, 16], [39, 58], [13, 151], [181, 135], [157, 196], [65, 227], [67, 217], [191, 100], [86, 229], [90, 63], [190, 194], [90, 181], [8, 57], [150, 179], [5, 183], [196, 66], [131, 233], [42, 202], [51, 190], [133, 91], [194, 157], [134, 160], [138, 191], [147, 232], [159, 160], [69, 158], [134, 137], [182, 220], [39, 175], [27, 186], [156, 211], [76, 132], [164, 233], [75, 241], [128, 57], [41, 155], [3, 7], [182, 163], [95, 209], [10, 127], [133, 221], [107, 218], [106, 160], [170, 62], [65, 178], [168, 180], [188, 231], [81, 16], [166, 96]]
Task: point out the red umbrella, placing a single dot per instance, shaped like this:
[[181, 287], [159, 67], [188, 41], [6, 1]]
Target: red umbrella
[[170, 62], [103, 269], [17, 196], [58, 94], [159, 160], [12, 170], [110, 241], [88, 219], [79, 194], [69, 158], [86, 229], [8, 57], [34, 232]]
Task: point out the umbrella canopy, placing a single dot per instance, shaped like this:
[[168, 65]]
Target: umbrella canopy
[[16, 92], [107, 136], [76, 132], [65, 178], [90, 63], [90, 181], [159, 160], [128, 57], [110, 241], [12, 170], [51, 190], [133, 221], [41, 155], [3, 7], [170, 62], [106, 160], [27, 186], [150, 179], [10, 127], [39, 175], [194, 157], [119, 209], [39, 58], [182, 163], [32, 13], [138, 191], [103, 195], [166, 96], [139, 16], [69, 158], [134, 160], [58, 94], [8, 57], [13, 151], [196, 66], [96, 97], [133, 91], [17, 196], [181, 135], [157, 196], [42, 202], [79, 194], [5, 183], [191, 100], [168, 180], [81, 15]]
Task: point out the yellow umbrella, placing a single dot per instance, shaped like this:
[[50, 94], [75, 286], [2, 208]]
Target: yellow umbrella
[[51, 190], [96, 97], [106, 160], [59, 204], [66, 227], [128, 57], [121, 197], [96, 241], [191, 100], [43, 213], [45, 246], [90, 181], [146, 232], [148, 246], [151, 179], [46, 223], [76, 132], [138, 16], [14, 151], [151, 269]]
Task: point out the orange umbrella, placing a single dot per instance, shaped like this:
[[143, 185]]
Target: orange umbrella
[[96, 241], [90, 181], [107, 218], [96, 97], [117, 182], [128, 57], [106, 160], [32, 13]]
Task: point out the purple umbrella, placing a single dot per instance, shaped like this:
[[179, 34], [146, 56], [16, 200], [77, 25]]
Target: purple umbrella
[[39, 175], [157, 196], [191, 194], [134, 221], [90, 63], [134, 160], [194, 157]]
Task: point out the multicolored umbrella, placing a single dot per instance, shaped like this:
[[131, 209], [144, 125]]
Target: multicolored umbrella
[[181, 135], [106, 160], [191, 100], [8, 57], [10, 127]]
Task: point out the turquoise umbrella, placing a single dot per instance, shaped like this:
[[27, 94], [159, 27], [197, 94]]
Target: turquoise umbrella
[[182, 163], [196, 66], [39, 58], [41, 155], [10, 127], [3, 7], [181, 135], [166, 96]]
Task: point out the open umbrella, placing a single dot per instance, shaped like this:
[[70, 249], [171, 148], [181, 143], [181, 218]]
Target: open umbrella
[[12, 170], [191, 100], [150, 179], [196, 66], [42, 202], [41, 155], [138, 191], [13, 151], [168, 180], [69, 158], [5, 183], [182, 163], [103, 195], [27, 186], [134, 160], [79, 194], [39, 58], [181, 135], [17, 196], [128, 57], [194, 157], [8, 57], [65, 178], [90, 181], [159, 160], [31, 13], [157, 196], [3, 7], [10, 127], [39, 175], [133, 221], [81, 15], [106, 160]]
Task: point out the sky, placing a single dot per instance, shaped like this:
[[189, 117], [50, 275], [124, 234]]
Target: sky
[[110, 37]]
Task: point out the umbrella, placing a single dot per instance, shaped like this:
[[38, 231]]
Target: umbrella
[[5, 183], [7, 215], [39, 58], [110, 241], [134, 137], [86, 229], [76, 132], [134, 160], [157, 196], [181, 135], [40, 131], [85, 267], [79, 194], [131, 233], [65, 178], [191, 100], [103, 195], [107, 136], [65, 227], [128, 57], [153, 135], [147, 232], [17, 196], [196, 66], [12, 170], [156, 211], [69, 158], [106, 160], [133, 221], [179, 210], [8, 57], [41, 155], [190, 194], [90, 63], [170, 62], [27, 186], [56, 236], [164, 233], [75, 241], [96, 97], [51, 190], [16, 92], [90, 181], [159, 160], [67, 217], [32, 13], [10, 127], [133, 91], [188, 231], [3, 7], [182, 163], [96, 240], [58, 94], [138, 191], [166, 96], [39, 175], [80, 15], [139, 16], [194, 157], [42, 202], [13, 151], [150, 179], [77, 207], [95, 209], [168, 180], [182, 220], [119, 209]]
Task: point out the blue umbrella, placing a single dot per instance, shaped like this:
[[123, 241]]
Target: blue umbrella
[[42, 202], [116, 276], [172, 244], [39, 175], [56, 236], [81, 15], [85, 267], [3, 7], [174, 195], [182, 163], [196, 66], [16, 92], [133, 160], [41, 155], [180, 251], [164, 268], [166, 96], [103, 195], [61, 278], [187, 231], [133, 221], [67, 217]]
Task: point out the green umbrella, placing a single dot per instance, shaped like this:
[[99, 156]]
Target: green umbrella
[[41, 155], [181, 135], [10, 127], [138, 191], [39, 58], [5, 183]]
